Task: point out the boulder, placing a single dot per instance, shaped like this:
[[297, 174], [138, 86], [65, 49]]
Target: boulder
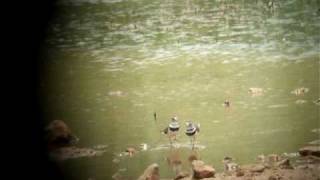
[[59, 134], [310, 150], [201, 170], [150, 173]]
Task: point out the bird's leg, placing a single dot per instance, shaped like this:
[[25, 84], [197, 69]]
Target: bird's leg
[[175, 137], [194, 141], [191, 142], [170, 139]]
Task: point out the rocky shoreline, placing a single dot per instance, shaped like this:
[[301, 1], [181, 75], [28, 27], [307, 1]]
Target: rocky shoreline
[[306, 166]]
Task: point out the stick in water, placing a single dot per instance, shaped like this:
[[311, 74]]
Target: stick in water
[[155, 116]]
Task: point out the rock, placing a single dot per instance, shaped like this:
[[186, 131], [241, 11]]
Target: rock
[[240, 172], [261, 158], [272, 158], [284, 164], [182, 175], [200, 170], [150, 173], [310, 150], [274, 177], [131, 151], [257, 168], [59, 135]]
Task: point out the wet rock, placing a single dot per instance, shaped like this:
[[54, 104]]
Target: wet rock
[[59, 135], [284, 164], [240, 172], [182, 175], [261, 158], [131, 151], [308, 160], [272, 158], [150, 173], [201, 170], [258, 168], [274, 177], [310, 150]]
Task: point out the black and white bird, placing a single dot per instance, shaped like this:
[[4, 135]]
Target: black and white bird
[[191, 131], [172, 129]]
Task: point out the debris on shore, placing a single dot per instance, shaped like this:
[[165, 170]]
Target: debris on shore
[[300, 91], [254, 91]]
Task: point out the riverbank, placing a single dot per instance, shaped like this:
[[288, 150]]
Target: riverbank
[[304, 166]]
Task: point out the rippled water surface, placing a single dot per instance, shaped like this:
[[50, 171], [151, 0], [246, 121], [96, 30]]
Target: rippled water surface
[[110, 64]]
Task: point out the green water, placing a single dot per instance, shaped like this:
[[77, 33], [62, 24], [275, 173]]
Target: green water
[[110, 64]]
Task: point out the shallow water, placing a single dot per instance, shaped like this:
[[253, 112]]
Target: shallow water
[[110, 64]]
